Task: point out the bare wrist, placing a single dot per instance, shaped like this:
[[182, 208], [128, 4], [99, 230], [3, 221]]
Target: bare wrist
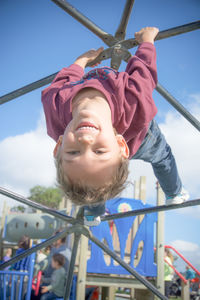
[[148, 41], [81, 62]]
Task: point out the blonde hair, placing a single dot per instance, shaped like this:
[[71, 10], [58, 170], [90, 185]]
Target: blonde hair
[[85, 195], [169, 254]]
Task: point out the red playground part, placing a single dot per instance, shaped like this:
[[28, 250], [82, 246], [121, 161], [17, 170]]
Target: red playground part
[[36, 283]]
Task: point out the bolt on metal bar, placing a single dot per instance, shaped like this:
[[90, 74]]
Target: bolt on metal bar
[[150, 210], [36, 248], [178, 106], [108, 39], [71, 266], [121, 30], [151, 287], [43, 208]]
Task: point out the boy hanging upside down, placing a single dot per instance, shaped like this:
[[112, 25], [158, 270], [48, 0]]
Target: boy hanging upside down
[[102, 119]]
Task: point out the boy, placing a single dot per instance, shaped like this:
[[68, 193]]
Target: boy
[[103, 118], [57, 281]]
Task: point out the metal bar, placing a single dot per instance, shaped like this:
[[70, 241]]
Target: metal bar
[[70, 274], [27, 88], [178, 106], [108, 39], [121, 30], [151, 287], [43, 208], [130, 43], [36, 248], [150, 210]]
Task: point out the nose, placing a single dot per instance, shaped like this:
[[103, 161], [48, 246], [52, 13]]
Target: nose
[[86, 139]]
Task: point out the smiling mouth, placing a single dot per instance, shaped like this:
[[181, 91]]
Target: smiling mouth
[[86, 126]]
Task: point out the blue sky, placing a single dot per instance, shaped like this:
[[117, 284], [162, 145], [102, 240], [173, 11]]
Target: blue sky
[[38, 39]]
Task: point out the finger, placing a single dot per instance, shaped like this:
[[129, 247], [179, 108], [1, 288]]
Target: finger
[[100, 49]]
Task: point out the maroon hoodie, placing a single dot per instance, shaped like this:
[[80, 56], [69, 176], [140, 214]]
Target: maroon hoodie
[[129, 95]]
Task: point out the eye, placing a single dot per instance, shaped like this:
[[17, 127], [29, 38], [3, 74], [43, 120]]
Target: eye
[[99, 152], [72, 152]]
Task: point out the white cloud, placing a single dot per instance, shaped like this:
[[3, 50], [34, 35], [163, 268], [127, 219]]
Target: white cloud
[[191, 251], [26, 160], [185, 246]]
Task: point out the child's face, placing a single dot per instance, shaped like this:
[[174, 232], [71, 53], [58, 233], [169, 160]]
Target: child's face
[[90, 149], [54, 264]]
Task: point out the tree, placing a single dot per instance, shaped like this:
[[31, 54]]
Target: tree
[[50, 196], [19, 208]]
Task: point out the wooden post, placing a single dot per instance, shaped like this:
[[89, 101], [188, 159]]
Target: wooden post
[[160, 242], [82, 269], [142, 192], [108, 293], [142, 294], [3, 218], [185, 290], [142, 197], [136, 196]]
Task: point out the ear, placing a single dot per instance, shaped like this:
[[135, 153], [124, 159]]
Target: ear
[[57, 147], [123, 146]]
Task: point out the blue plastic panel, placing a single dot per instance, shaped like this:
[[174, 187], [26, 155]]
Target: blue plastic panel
[[145, 233]]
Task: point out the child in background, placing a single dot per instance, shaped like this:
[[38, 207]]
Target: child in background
[[168, 271], [55, 289], [102, 119], [7, 257], [23, 264]]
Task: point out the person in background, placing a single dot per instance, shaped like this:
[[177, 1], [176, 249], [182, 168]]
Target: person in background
[[23, 264], [7, 257], [189, 274], [168, 271], [56, 283], [58, 247]]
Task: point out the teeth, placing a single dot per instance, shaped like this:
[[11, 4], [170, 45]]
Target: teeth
[[86, 127]]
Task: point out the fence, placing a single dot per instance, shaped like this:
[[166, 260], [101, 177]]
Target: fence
[[17, 284]]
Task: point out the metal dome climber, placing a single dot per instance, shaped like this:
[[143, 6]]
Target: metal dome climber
[[117, 51]]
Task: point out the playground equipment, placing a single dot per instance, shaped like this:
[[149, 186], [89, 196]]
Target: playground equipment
[[17, 284], [117, 51]]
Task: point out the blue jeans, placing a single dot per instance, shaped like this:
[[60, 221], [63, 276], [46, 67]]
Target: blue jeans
[[49, 296], [155, 150]]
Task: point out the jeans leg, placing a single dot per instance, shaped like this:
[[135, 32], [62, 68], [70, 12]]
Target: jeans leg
[[96, 210], [155, 150], [49, 296], [167, 174], [167, 288]]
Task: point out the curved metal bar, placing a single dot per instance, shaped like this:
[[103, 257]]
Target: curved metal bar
[[70, 274], [107, 38], [150, 286], [50, 211], [27, 88], [131, 43], [178, 106], [150, 210], [36, 248], [121, 30], [126, 44]]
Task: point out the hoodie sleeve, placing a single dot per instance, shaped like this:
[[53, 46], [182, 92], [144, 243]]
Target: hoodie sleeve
[[54, 98], [139, 85]]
